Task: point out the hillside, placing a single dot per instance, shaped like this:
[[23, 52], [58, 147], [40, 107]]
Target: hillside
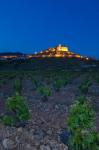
[[64, 77]]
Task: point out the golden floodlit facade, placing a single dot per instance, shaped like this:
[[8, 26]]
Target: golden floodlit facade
[[58, 51]]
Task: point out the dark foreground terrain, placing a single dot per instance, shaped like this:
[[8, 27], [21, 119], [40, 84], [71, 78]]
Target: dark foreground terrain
[[62, 77]]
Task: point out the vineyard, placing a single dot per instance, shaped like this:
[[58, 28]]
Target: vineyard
[[49, 105]]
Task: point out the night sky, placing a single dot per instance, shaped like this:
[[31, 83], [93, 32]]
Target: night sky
[[34, 25]]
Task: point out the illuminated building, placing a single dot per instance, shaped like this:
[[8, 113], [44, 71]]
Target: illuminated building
[[61, 48], [58, 51], [77, 56]]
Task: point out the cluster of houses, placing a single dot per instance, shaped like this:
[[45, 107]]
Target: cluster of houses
[[12, 56], [58, 51]]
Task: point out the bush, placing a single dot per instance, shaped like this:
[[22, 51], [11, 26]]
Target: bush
[[12, 75], [80, 116], [97, 78], [17, 108], [84, 86], [45, 92], [57, 83], [82, 99], [8, 120], [36, 83], [17, 86], [80, 124], [65, 81], [2, 82]]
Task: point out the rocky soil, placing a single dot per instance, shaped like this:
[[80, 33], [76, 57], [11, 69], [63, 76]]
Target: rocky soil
[[48, 119]]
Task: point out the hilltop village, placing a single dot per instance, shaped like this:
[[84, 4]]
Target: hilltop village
[[58, 51]]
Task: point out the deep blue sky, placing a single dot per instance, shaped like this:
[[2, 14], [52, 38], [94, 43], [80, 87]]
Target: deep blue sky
[[33, 25]]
